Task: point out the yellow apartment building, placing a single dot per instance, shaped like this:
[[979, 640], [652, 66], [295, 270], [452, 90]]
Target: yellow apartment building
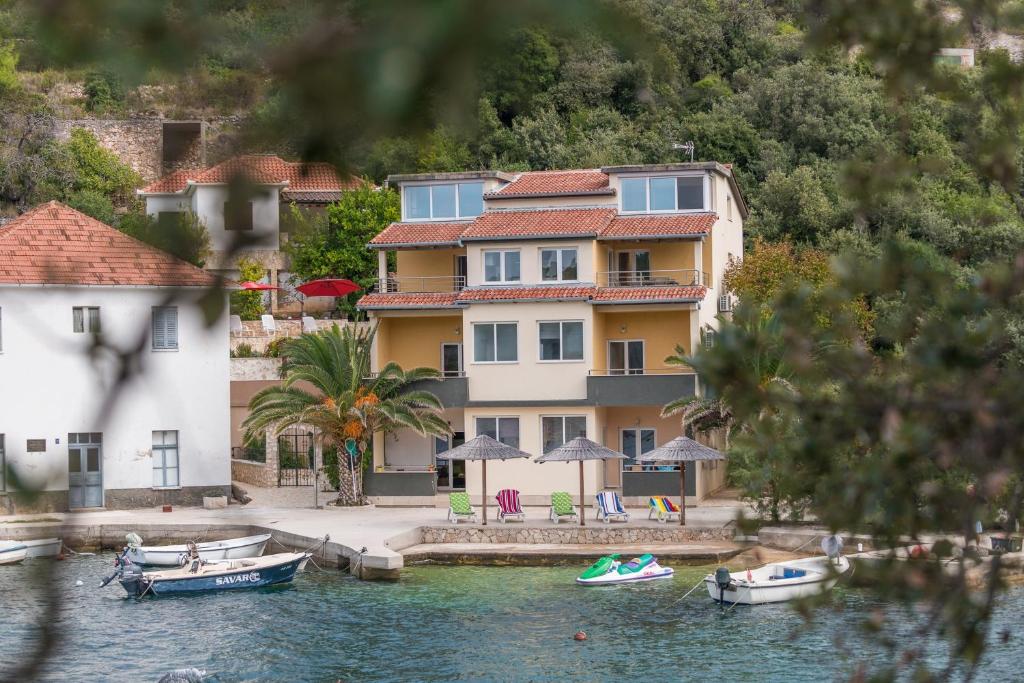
[[549, 301]]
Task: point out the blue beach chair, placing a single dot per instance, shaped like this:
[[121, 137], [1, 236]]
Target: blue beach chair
[[609, 506]]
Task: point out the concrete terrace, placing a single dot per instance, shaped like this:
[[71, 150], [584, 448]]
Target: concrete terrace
[[390, 534]]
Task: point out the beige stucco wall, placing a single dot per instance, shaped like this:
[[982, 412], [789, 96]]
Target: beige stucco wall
[[614, 420], [660, 330], [528, 378], [427, 262], [415, 341], [529, 259], [674, 255]]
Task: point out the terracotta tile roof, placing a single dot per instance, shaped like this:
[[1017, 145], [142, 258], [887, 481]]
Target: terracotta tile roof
[[651, 294], [663, 225], [411, 300], [261, 169], [54, 244], [312, 196], [497, 225], [420, 233], [548, 183], [524, 293]]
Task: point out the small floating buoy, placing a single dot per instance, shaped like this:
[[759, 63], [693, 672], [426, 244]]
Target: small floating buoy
[[580, 635], [79, 583]]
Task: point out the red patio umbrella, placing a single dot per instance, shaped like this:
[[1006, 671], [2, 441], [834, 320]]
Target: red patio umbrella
[[328, 287]]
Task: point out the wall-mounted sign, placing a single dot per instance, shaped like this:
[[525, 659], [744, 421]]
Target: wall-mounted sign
[[36, 446]]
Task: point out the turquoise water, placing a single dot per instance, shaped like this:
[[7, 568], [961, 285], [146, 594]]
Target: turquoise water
[[447, 624]]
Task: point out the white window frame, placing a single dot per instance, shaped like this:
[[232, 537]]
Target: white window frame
[[462, 367], [502, 268], [430, 201], [176, 447], [626, 463], [647, 189], [177, 329], [497, 426], [87, 319], [625, 355], [561, 341], [558, 261], [586, 428], [495, 324]]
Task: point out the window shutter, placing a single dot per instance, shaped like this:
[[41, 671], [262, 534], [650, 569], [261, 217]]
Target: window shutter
[[172, 327], [165, 327], [159, 333]]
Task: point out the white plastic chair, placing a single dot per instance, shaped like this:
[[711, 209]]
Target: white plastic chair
[[236, 324], [308, 324], [269, 326]]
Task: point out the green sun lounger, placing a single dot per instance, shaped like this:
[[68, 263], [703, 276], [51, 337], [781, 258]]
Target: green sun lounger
[[459, 508], [562, 507]]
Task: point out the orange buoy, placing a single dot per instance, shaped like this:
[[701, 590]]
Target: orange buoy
[[580, 635]]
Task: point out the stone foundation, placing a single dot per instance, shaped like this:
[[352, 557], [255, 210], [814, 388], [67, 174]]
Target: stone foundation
[[596, 535], [188, 496], [255, 473], [24, 503]]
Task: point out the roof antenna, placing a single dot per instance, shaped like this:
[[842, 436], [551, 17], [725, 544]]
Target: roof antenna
[[685, 146]]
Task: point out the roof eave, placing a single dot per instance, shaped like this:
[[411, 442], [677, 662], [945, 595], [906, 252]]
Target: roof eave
[[604, 302], [544, 195], [666, 236], [542, 236], [413, 245]]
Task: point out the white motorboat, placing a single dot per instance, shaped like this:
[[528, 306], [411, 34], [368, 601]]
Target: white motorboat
[[12, 552], [43, 547], [173, 555], [776, 582]]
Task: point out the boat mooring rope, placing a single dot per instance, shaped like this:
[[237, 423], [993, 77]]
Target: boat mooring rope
[[65, 547], [321, 542]]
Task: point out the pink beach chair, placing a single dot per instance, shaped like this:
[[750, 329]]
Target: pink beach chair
[[509, 507]]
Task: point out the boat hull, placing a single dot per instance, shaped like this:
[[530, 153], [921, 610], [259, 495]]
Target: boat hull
[[171, 555], [180, 582], [13, 553], [761, 591], [44, 547]]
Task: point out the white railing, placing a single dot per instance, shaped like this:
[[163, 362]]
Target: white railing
[[420, 285]]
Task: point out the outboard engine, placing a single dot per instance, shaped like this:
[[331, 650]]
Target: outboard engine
[[133, 580], [722, 579]]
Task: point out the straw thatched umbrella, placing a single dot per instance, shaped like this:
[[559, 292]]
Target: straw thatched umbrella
[[579, 449], [483, 448], [682, 450]]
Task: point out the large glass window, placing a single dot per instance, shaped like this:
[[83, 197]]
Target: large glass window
[[561, 340], [626, 357], [663, 193], [501, 266], [85, 319], [495, 343], [558, 265], [637, 442], [165, 459], [443, 201], [558, 429], [503, 429]]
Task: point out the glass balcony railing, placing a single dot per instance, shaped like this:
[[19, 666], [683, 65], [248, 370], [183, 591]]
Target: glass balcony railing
[[653, 278]]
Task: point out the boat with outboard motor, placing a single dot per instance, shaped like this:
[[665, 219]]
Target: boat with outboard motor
[[172, 555], [197, 575], [780, 581], [609, 570]]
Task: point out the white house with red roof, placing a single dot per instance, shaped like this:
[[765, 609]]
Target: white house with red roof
[[241, 201], [116, 383], [550, 301]]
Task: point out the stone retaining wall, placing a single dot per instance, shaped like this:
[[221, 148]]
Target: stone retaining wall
[[623, 534], [255, 473]]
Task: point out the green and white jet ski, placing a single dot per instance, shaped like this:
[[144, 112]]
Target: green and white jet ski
[[609, 569]]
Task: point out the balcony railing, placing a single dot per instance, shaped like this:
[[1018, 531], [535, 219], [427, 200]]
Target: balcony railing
[[420, 285], [652, 278], [616, 372]]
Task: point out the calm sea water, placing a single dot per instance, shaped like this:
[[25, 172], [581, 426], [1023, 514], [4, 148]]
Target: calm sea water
[[447, 624]]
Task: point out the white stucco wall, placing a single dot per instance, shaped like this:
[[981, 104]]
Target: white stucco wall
[[265, 234], [52, 389], [528, 378], [158, 203], [529, 260]]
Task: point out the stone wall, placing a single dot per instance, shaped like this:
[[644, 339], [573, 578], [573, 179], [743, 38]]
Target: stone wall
[[603, 535], [126, 499], [254, 473]]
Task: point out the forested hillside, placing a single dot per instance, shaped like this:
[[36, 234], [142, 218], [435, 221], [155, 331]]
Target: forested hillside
[[734, 77]]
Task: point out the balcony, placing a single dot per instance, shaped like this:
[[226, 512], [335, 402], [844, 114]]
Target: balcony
[[653, 278], [452, 390], [639, 386], [420, 285]]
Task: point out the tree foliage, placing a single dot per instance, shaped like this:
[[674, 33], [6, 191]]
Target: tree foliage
[[248, 305]]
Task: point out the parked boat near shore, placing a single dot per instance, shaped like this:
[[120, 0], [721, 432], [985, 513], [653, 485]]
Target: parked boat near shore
[[12, 552], [173, 555], [44, 547], [198, 576], [776, 582]]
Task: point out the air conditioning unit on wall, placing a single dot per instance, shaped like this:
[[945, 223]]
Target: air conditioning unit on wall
[[724, 303]]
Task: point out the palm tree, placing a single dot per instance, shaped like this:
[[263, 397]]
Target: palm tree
[[349, 403]]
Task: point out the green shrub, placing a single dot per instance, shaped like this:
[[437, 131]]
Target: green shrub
[[248, 305], [331, 467], [243, 350], [8, 67], [93, 203], [103, 91], [275, 347], [183, 235]]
